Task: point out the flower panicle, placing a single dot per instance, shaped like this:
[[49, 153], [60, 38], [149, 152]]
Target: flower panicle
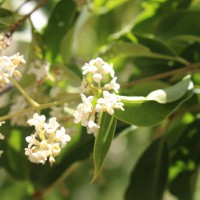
[[97, 76], [47, 140]]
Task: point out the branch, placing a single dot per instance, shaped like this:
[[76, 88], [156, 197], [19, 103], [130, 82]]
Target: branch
[[190, 68], [20, 23]]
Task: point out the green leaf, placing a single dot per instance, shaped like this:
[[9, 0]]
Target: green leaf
[[184, 162], [171, 24], [150, 110], [142, 112], [104, 6], [149, 177], [126, 49], [60, 23], [103, 141]]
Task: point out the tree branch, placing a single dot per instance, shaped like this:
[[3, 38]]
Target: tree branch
[[190, 68]]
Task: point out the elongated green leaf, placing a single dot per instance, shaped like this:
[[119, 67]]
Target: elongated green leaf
[[149, 177], [184, 162], [147, 113], [60, 23], [103, 141], [135, 51]]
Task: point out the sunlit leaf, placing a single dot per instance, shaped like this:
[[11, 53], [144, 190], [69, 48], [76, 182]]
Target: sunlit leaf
[[149, 177], [60, 23]]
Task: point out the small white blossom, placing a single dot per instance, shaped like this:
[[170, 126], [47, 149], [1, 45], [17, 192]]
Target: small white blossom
[[98, 68], [46, 143], [83, 111], [108, 103], [113, 85]]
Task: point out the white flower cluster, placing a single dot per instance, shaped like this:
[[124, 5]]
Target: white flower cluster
[[39, 69], [99, 79], [1, 137], [47, 140], [9, 65]]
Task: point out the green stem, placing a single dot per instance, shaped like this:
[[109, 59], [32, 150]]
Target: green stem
[[41, 107], [23, 92]]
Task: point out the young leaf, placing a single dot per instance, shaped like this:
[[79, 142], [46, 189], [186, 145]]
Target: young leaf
[[103, 141], [61, 21], [149, 177]]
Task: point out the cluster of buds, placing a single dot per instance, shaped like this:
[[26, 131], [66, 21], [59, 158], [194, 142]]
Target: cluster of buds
[[47, 141], [8, 64], [100, 81]]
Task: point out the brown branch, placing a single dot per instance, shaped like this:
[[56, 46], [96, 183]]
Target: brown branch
[[20, 23], [190, 68]]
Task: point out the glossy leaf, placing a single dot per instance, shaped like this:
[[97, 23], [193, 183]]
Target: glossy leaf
[[150, 110], [149, 177], [103, 141], [60, 23], [135, 51]]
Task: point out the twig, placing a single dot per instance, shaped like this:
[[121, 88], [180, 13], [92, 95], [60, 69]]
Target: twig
[[20, 23], [189, 68]]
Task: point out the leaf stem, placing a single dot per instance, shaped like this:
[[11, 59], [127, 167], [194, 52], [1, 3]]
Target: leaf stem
[[23, 92], [41, 107], [189, 68]]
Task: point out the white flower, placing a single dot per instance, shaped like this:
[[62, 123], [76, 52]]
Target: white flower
[[98, 68], [46, 143], [108, 103], [92, 127], [8, 68], [37, 121], [39, 69], [112, 85], [83, 110]]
